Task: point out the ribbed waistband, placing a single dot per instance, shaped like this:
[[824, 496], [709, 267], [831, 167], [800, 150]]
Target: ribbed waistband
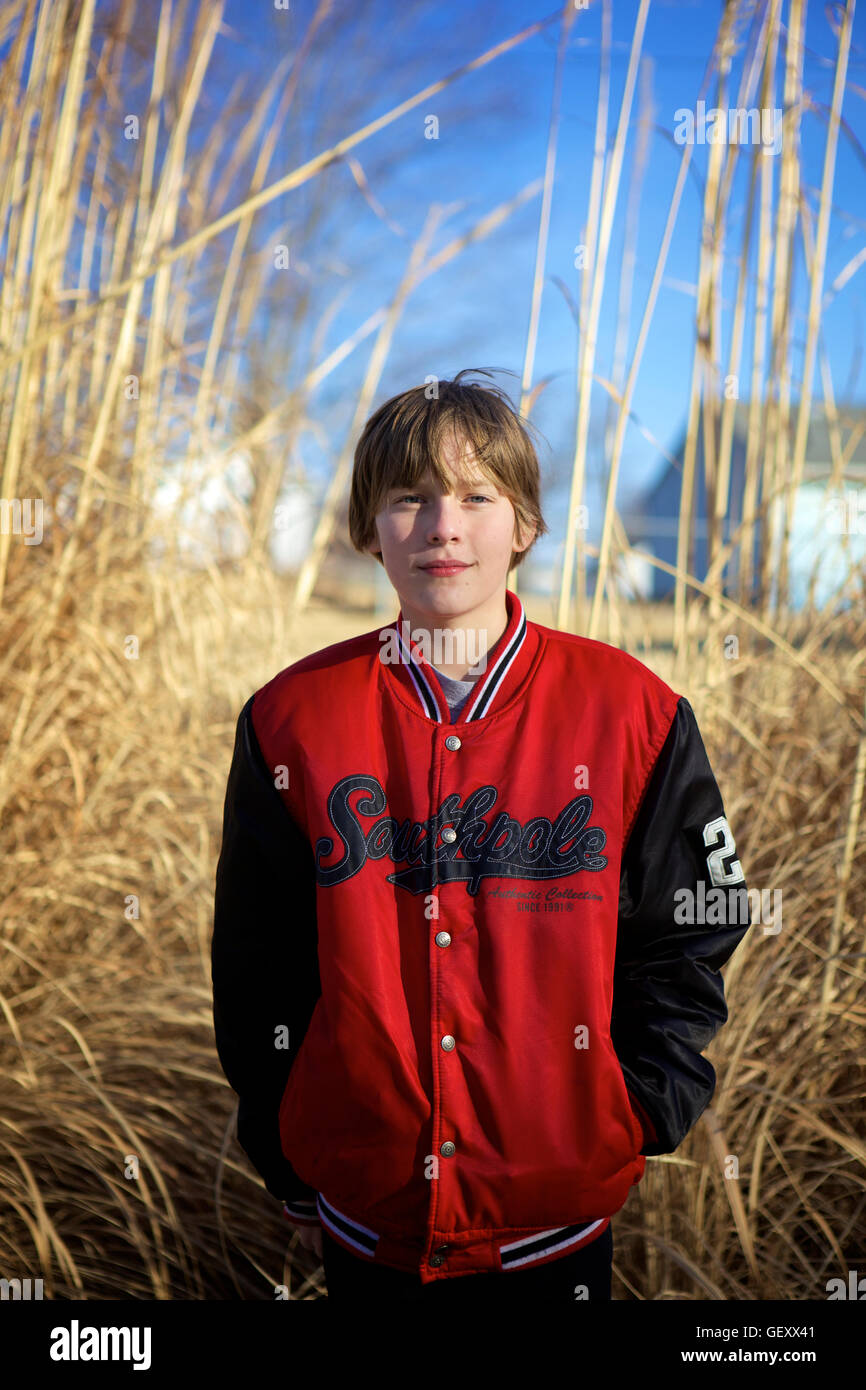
[[513, 1254]]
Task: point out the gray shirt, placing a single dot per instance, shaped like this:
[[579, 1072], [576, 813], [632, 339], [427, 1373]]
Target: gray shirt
[[455, 692]]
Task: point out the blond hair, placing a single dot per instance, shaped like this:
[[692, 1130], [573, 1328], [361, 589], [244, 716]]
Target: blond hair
[[403, 439]]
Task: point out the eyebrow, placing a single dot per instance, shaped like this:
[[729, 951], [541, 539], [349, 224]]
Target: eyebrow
[[467, 482]]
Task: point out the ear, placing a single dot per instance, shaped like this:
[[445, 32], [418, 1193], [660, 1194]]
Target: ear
[[523, 538], [374, 546]]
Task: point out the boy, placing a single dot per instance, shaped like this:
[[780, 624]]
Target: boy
[[460, 986]]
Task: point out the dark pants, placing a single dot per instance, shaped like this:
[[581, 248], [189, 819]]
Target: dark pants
[[353, 1278]]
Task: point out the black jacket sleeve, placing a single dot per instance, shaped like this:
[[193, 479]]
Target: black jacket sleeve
[[683, 908], [264, 955]]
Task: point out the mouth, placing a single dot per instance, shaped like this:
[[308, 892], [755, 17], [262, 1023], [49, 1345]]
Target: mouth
[[444, 567]]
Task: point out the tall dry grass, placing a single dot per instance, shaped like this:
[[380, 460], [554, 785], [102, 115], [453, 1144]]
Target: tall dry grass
[[122, 679]]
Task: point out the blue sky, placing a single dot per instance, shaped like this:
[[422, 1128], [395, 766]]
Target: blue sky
[[492, 142]]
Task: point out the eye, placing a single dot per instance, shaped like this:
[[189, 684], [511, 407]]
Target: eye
[[416, 496]]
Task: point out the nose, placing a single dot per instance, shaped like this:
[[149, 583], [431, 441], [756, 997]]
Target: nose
[[443, 520]]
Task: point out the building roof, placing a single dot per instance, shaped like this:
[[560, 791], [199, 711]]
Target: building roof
[[850, 419]]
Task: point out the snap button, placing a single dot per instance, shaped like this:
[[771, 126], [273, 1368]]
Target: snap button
[[452, 742], [448, 1043], [442, 938], [449, 834], [448, 1149], [436, 1261]]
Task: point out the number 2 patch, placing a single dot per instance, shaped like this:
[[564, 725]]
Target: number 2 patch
[[720, 842]]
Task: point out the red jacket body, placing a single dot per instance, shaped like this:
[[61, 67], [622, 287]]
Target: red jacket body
[[453, 984]]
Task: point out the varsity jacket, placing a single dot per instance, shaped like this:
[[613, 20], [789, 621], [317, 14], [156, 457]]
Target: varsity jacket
[[464, 972]]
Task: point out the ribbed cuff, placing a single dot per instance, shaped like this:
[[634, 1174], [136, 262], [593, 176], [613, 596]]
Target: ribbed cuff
[[301, 1212]]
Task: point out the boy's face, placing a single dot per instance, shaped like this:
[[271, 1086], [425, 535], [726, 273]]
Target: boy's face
[[474, 523]]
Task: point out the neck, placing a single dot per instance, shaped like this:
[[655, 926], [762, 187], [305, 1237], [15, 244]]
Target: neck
[[457, 644]]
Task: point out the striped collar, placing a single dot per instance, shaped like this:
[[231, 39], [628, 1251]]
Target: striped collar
[[507, 665]]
